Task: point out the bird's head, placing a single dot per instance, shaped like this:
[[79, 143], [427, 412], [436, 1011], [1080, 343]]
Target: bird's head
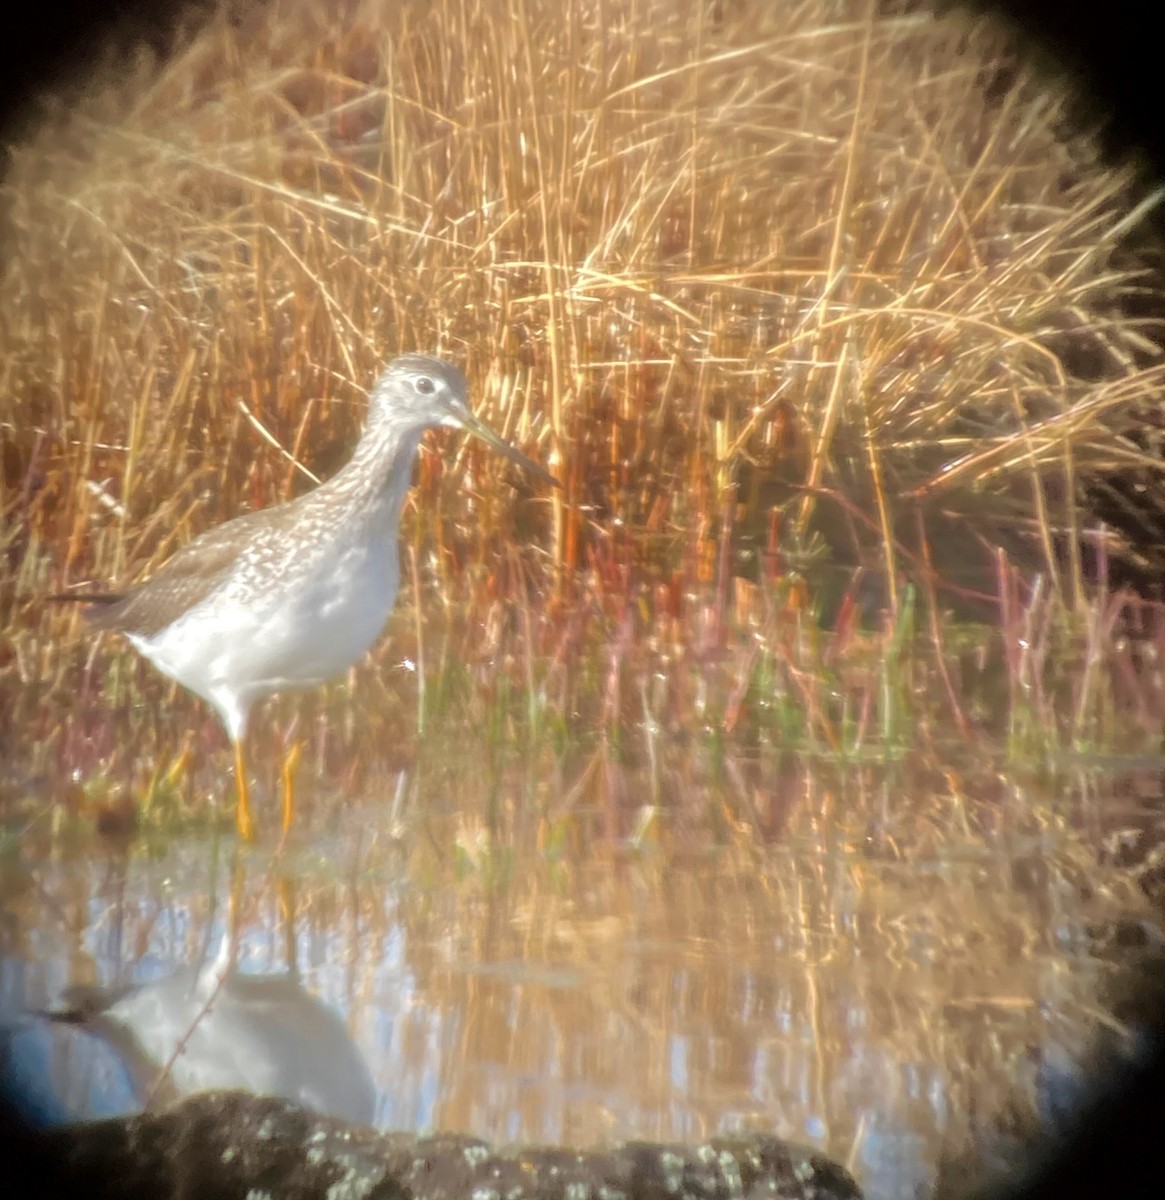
[[416, 392]]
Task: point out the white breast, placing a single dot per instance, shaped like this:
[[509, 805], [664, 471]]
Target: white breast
[[233, 655]]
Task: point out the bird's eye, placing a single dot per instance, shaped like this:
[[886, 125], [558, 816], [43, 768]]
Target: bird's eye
[[425, 385]]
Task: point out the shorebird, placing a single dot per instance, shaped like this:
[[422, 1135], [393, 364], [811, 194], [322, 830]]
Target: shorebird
[[290, 596]]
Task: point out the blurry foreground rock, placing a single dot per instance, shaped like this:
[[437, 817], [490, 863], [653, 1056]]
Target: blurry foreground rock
[[231, 1144]]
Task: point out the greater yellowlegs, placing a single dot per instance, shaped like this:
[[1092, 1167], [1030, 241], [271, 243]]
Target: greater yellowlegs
[[291, 596]]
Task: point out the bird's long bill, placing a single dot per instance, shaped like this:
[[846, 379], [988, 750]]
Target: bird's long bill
[[480, 429]]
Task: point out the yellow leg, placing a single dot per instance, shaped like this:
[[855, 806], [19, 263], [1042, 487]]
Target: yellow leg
[[243, 821], [287, 778]]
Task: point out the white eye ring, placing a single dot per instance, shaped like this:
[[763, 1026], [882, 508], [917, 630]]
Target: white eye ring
[[425, 385]]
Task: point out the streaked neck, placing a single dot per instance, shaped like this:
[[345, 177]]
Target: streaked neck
[[379, 471]]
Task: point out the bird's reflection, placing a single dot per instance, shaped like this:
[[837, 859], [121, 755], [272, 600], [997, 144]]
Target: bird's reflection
[[211, 1026]]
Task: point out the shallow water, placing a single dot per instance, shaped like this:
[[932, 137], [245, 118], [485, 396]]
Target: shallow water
[[852, 958]]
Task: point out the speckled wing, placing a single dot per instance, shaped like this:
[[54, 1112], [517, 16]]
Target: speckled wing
[[184, 580]]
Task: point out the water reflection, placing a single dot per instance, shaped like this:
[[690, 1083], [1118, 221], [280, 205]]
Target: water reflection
[[195, 1028], [202, 1028], [862, 995]]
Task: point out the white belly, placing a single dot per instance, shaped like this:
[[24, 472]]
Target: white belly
[[234, 654]]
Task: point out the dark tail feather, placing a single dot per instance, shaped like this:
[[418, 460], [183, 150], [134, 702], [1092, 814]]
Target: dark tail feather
[[81, 1004], [98, 599], [101, 608], [63, 1016]]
